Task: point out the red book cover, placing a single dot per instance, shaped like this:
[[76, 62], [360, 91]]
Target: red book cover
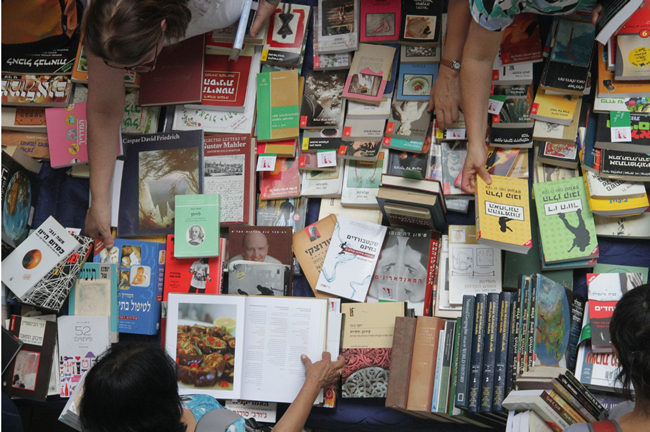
[[380, 20], [225, 82], [638, 23], [178, 76], [283, 182], [521, 41], [432, 275]]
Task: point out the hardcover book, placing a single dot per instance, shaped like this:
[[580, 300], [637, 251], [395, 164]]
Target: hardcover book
[[369, 73], [287, 35], [270, 245], [157, 168], [283, 212], [196, 225], [277, 105], [415, 81], [310, 247], [355, 246], [565, 221], [338, 26], [141, 267], [380, 21], [408, 120], [421, 23], [400, 362], [322, 102], [36, 90], [283, 182]]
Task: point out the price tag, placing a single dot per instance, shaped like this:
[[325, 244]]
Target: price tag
[[326, 158], [266, 162], [264, 412], [495, 103], [455, 134], [620, 126]]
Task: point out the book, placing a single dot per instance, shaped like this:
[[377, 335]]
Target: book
[[554, 108], [408, 120], [380, 21], [629, 68], [228, 34], [332, 206], [415, 81], [310, 246], [361, 182], [277, 105], [521, 41], [597, 371], [27, 375], [566, 225], [542, 404], [228, 166], [283, 182], [615, 206], [271, 245], [308, 161], [284, 212], [286, 36], [363, 130], [486, 395], [407, 164], [80, 70], [476, 356], [361, 111], [513, 127], [558, 154], [250, 321], [628, 226], [41, 91], [471, 262], [465, 348], [419, 54], [164, 165], [503, 214], [313, 145], [623, 165], [24, 118], [414, 209], [400, 362], [577, 305], [196, 225], [79, 353], [36, 256], [322, 103], [504, 349], [638, 141], [366, 344], [284, 148], [338, 26], [95, 294], [141, 267], [369, 74], [500, 161], [453, 159], [512, 74], [323, 184], [421, 23], [608, 86], [10, 347], [53, 61], [169, 84], [355, 245], [613, 15], [444, 309], [360, 150]]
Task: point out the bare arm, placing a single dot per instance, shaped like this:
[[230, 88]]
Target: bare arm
[[104, 111], [445, 93], [317, 375], [475, 81]]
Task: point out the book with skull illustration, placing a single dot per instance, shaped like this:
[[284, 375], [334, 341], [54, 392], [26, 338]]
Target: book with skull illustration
[[338, 26], [513, 127], [286, 35], [408, 120], [380, 21], [565, 221], [322, 101], [421, 22]]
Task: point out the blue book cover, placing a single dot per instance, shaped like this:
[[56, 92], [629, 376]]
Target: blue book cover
[[415, 81], [489, 353], [476, 362], [390, 85], [574, 41], [141, 271], [502, 349]]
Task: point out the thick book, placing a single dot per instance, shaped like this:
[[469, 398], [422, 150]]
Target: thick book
[[505, 350], [421, 23], [310, 245], [406, 208], [141, 267], [464, 355], [369, 74], [259, 327], [615, 206], [338, 26], [613, 15], [162, 166], [28, 374], [40, 91], [278, 105], [380, 21], [565, 221], [399, 374], [322, 101], [351, 258], [178, 76], [476, 356], [283, 212], [414, 81], [196, 225], [600, 187], [228, 167], [542, 404], [283, 182], [486, 397]]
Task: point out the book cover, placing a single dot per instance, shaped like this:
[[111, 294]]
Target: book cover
[[614, 206], [286, 35], [36, 90], [338, 26], [355, 246], [504, 349], [225, 82], [332, 206], [400, 362], [421, 23], [28, 374], [639, 140], [259, 278], [629, 226], [19, 195], [369, 73], [577, 305], [407, 164], [565, 221], [521, 41], [228, 167], [560, 154], [425, 349], [310, 162], [137, 119], [322, 101], [361, 182], [380, 21], [366, 344], [36, 256], [53, 61], [363, 130], [271, 245], [358, 110], [408, 120], [284, 148], [486, 397], [406, 208], [554, 108], [157, 168], [360, 150], [178, 76], [500, 161], [277, 105], [597, 371], [609, 86], [624, 165], [453, 159], [196, 225], [141, 266], [312, 145], [323, 184], [283, 212], [503, 214], [80, 70], [630, 64], [310, 246], [415, 81], [613, 15], [283, 182], [512, 74], [24, 118], [81, 340], [419, 54]]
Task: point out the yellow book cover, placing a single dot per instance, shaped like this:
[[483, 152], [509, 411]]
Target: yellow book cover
[[554, 108], [503, 213], [615, 206]]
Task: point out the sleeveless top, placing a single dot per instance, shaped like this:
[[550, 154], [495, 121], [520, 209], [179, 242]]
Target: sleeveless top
[[208, 15], [201, 404]]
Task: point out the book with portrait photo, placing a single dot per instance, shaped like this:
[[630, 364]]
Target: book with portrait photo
[[380, 21], [421, 23], [369, 73], [197, 223], [338, 26], [283, 212], [260, 244]]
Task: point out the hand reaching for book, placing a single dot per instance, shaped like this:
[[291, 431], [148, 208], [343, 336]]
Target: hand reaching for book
[[98, 225], [475, 165], [445, 97], [264, 11], [324, 371]]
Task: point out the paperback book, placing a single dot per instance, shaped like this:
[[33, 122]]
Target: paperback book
[[310, 247], [287, 35], [283, 212], [48, 90], [421, 23], [277, 105], [282, 182], [323, 184], [361, 182], [322, 103], [369, 74], [196, 225], [408, 120], [338, 26], [415, 81], [521, 41], [380, 21]]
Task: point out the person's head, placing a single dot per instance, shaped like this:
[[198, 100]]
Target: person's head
[[132, 388], [204, 260], [140, 271], [196, 233], [255, 246], [286, 208], [130, 33], [630, 331]]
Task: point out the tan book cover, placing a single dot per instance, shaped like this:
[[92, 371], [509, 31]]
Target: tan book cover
[[423, 372], [278, 105], [310, 247], [33, 144], [400, 363]]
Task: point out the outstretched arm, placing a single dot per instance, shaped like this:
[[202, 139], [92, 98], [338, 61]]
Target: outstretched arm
[[475, 79]]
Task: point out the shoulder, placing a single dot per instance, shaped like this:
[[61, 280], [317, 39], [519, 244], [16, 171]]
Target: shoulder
[[270, 259], [620, 410]]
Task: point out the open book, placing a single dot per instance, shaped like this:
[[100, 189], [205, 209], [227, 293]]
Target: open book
[[264, 364]]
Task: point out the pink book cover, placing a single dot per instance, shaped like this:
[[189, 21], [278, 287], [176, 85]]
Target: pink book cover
[[380, 20], [365, 85]]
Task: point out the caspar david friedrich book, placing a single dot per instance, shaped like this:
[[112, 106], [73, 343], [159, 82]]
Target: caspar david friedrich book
[[157, 168], [566, 224], [351, 258]]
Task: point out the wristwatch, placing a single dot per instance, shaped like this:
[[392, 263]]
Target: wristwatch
[[452, 64]]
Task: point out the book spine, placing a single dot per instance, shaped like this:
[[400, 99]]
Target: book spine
[[400, 362], [516, 336], [432, 276], [489, 353], [575, 403], [547, 411], [503, 354], [584, 396], [577, 305], [532, 323], [567, 407], [451, 408], [523, 333], [478, 345], [561, 412], [466, 337], [438, 372], [443, 397]]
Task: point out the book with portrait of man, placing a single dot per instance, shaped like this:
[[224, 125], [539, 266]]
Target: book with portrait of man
[[196, 225]]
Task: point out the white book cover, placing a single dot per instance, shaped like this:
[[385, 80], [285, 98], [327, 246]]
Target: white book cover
[[610, 287], [361, 182], [351, 258], [518, 73], [608, 103], [356, 129], [596, 370], [321, 184], [473, 268], [600, 187], [81, 340], [341, 34], [333, 206], [361, 111], [37, 256], [444, 309], [637, 226]]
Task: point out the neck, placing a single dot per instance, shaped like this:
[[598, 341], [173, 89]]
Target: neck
[[637, 420], [189, 419]]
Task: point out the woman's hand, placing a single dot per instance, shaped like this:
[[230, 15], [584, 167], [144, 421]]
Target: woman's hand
[[445, 97], [595, 13], [324, 371], [475, 164], [264, 11], [98, 224]]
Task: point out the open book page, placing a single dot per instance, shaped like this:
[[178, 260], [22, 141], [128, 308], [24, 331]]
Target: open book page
[[278, 331]]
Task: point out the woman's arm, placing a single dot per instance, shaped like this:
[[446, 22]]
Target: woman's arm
[[104, 110], [475, 82], [317, 375], [445, 93], [264, 11]]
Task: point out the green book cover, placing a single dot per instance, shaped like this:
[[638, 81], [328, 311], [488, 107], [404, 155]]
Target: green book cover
[[196, 226], [278, 106], [615, 268], [565, 221]]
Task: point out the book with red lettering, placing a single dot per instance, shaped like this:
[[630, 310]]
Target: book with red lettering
[[178, 76], [380, 21]]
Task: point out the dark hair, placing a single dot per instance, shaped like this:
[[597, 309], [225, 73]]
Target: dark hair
[[132, 388], [286, 205], [630, 331], [125, 31]]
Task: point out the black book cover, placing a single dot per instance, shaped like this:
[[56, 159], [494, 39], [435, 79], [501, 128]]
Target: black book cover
[[157, 168], [640, 138], [489, 353], [10, 347], [620, 163], [515, 313], [577, 305], [565, 77], [322, 99], [421, 22], [464, 354], [478, 345], [582, 394], [55, 61], [406, 164], [531, 323], [502, 349], [520, 135], [408, 120], [523, 332]]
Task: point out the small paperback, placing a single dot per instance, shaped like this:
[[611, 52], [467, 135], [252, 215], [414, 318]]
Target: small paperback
[[351, 258], [277, 105], [338, 29], [322, 102], [369, 73], [197, 222]]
